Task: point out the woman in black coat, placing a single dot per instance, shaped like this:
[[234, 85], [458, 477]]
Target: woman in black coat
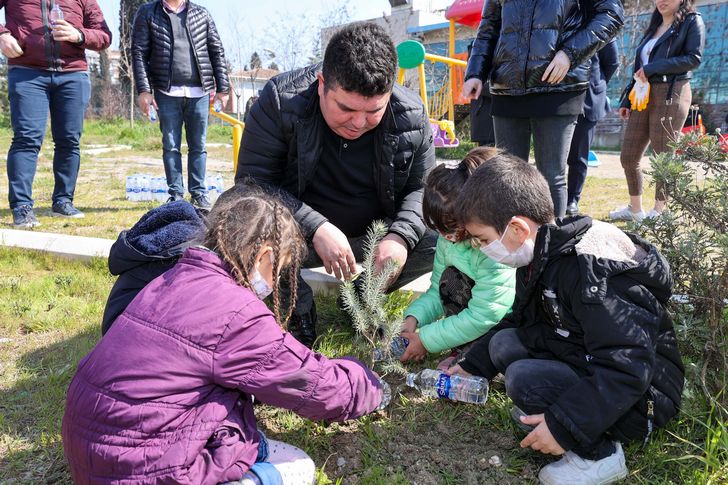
[[536, 55], [670, 50]]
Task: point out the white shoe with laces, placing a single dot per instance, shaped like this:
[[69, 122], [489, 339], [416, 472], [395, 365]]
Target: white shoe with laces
[[653, 214], [574, 470], [626, 214]]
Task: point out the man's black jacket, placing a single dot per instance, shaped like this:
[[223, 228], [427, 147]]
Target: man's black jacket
[[282, 143], [153, 44], [584, 303], [517, 39]]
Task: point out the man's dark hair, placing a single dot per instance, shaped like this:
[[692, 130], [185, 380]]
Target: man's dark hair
[[502, 188], [361, 58]]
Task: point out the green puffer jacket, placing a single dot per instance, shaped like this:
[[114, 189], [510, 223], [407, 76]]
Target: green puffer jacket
[[492, 298]]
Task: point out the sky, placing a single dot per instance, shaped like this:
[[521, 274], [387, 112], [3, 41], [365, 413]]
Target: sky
[[248, 25]]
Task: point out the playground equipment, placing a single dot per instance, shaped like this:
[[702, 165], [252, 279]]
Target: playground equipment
[[238, 127], [412, 55]]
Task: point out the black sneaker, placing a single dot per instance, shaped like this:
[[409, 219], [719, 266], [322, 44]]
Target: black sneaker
[[66, 209], [23, 216], [303, 327], [202, 202], [175, 198]]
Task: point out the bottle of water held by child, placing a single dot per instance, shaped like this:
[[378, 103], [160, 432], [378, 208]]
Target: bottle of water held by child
[[396, 350], [433, 383]]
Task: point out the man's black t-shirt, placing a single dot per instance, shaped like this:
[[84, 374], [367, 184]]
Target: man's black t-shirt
[[343, 188]]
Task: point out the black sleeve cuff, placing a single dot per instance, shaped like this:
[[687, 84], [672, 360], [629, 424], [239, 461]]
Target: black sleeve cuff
[[559, 432]]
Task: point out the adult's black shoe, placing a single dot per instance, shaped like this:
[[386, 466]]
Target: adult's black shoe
[[572, 209], [303, 327]]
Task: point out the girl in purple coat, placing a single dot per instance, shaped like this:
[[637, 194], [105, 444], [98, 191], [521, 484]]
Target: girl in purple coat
[[167, 394]]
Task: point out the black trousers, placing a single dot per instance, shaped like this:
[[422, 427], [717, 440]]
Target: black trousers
[[579, 157]]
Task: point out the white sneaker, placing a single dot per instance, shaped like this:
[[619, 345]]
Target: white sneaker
[[653, 214], [625, 214], [573, 470]]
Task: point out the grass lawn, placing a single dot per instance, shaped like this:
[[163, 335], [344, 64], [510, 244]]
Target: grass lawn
[[50, 313]]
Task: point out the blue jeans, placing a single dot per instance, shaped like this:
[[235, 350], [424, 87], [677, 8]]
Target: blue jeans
[[32, 94], [551, 142], [535, 384], [173, 112]]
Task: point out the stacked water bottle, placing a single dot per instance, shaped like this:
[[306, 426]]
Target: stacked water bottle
[[143, 187]]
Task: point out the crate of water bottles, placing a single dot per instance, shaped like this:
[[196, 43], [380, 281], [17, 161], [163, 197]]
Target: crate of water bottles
[[144, 187]]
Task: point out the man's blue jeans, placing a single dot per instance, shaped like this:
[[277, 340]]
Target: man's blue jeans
[[32, 94], [193, 112], [551, 143]]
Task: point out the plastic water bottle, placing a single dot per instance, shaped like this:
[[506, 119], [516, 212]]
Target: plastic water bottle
[[160, 189], [386, 394], [396, 350], [210, 184], [137, 188], [129, 187], [145, 185], [152, 113], [219, 184], [433, 383], [217, 106], [55, 14]]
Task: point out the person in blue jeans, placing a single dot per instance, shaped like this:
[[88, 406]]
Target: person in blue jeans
[[178, 55], [47, 73]]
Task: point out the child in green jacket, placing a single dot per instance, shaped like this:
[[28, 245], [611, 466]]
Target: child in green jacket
[[469, 293]]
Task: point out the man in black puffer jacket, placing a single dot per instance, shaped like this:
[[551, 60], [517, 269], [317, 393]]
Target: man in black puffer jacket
[[177, 53], [536, 55], [344, 146], [589, 352]]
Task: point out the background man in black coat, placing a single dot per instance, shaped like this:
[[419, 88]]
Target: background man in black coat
[[178, 54], [345, 146], [596, 106]]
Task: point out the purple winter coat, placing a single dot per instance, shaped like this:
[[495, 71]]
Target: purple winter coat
[[164, 397]]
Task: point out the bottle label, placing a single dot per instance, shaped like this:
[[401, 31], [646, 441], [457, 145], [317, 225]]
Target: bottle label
[[443, 386]]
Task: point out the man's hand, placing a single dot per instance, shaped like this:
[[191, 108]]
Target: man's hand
[[144, 101], [540, 439], [334, 250], [65, 32], [409, 325], [557, 69], [9, 46], [415, 350], [472, 88], [391, 248], [456, 370], [624, 113], [222, 97]]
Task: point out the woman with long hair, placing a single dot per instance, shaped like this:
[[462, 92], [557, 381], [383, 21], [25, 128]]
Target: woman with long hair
[[670, 50]]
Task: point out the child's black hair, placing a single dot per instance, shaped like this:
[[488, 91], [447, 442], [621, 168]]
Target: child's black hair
[[443, 185], [505, 187], [244, 220]]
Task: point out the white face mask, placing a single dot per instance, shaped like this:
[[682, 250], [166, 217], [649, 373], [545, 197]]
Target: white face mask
[[497, 251], [260, 286]]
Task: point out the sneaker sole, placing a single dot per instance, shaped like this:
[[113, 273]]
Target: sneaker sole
[[75, 216], [27, 225]]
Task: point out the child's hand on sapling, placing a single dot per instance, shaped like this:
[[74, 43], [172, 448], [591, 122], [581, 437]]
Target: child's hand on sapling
[[415, 349], [409, 325], [540, 439]]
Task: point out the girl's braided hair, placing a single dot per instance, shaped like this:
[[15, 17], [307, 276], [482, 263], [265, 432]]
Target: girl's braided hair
[[243, 221]]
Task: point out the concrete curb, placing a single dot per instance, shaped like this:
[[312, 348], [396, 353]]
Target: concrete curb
[[86, 248]]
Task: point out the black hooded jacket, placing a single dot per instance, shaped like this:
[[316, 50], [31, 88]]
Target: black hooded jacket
[[282, 143], [147, 250], [517, 39], [583, 303]]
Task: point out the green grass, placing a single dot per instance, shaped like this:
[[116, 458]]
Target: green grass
[[51, 309]]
